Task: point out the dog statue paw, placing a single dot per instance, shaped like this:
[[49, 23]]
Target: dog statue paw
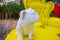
[[31, 37]]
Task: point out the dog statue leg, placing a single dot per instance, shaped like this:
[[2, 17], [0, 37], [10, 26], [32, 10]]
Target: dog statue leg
[[20, 37], [19, 30], [30, 34]]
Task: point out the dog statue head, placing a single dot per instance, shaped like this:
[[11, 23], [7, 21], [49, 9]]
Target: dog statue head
[[29, 15]]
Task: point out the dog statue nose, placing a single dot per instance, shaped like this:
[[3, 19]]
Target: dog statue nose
[[38, 16]]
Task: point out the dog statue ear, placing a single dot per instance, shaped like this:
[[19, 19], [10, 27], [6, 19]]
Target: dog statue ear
[[22, 14]]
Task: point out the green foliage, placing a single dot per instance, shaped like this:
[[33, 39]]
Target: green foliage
[[12, 8]]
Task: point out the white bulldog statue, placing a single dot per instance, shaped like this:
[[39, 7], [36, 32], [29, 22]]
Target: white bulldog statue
[[25, 24]]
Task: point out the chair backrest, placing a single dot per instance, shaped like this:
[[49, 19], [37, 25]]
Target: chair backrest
[[39, 5], [27, 3], [42, 7]]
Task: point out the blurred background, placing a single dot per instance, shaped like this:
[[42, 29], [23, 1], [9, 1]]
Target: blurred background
[[9, 13]]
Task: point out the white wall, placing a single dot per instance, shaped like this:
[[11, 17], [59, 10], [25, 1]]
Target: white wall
[[8, 0]]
